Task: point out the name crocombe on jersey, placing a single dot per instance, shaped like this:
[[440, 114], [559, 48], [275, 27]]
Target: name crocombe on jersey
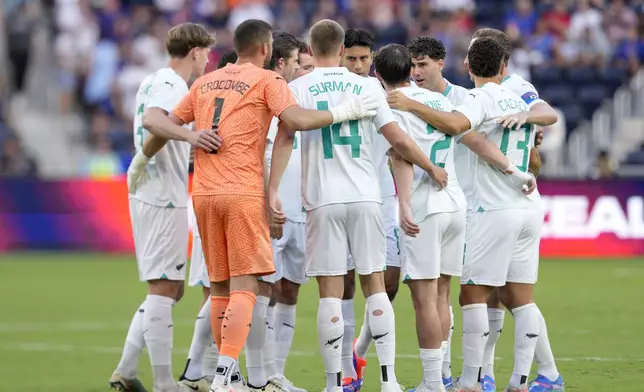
[[491, 188], [426, 198], [165, 181], [290, 191], [339, 162]]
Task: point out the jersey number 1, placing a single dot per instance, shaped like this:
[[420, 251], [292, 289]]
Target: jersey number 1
[[331, 135], [219, 105]]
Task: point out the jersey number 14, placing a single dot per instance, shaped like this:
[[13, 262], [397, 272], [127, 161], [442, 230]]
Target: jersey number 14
[[331, 135]]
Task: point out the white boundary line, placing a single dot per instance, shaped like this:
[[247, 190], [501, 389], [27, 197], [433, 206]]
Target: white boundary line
[[115, 350]]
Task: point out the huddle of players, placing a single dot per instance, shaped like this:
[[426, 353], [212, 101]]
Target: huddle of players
[[343, 186]]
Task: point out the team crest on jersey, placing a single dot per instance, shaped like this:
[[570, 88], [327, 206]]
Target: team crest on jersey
[[529, 97]]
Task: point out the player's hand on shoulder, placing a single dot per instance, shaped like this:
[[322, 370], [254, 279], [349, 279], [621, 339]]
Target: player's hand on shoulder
[[439, 175], [513, 121], [399, 101], [355, 107], [407, 223], [207, 140]]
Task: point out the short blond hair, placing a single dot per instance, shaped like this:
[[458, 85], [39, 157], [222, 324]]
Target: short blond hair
[[187, 36], [326, 37]]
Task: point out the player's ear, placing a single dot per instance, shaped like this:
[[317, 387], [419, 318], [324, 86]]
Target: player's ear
[[309, 50], [341, 50], [502, 68], [441, 64], [281, 62]]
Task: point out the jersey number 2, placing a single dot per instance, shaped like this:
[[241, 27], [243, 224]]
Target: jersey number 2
[[443, 144], [331, 135], [522, 145]]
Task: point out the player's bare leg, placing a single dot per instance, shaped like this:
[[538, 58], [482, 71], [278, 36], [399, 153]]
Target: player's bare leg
[[348, 313], [382, 324], [392, 282], [424, 294], [232, 304], [202, 357], [496, 317], [529, 328], [473, 300], [257, 339], [446, 316], [284, 323]]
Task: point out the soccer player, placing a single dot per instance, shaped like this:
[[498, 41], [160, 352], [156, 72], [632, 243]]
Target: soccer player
[[433, 246], [288, 256], [497, 258], [203, 354], [357, 58], [540, 113], [239, 101], [306, 61], [158, 195], [428, 59], [341, 194]]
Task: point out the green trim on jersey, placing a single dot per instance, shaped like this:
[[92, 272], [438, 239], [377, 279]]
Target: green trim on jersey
[[447, 89], [170, 205], [505, 78]]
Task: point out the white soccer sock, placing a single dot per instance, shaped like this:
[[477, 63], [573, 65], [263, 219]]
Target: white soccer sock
[[382, 324], [432, 360], [447, 357], [226, 366], [134, 344], [284, 331], [201, 341], [210, 361], [364, 339], [255, 344], [158, 327], [348, 313], [543, 352], [475, 332], [526, 333], [495, 321], [269, 348], [330, 334]]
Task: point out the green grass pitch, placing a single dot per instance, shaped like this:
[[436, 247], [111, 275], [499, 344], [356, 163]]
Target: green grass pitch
[[64, 317]]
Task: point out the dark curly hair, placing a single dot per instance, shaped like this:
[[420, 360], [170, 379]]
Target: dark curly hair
[[427, 46], [499, 36], [485, 57]]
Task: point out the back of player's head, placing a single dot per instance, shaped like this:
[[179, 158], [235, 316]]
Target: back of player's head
[[393, 64], [183, 38], [326, 38], [499, 36], [485, 57], [227, 58], [250, 35], [304, 47], [283, 44], [427, 46], [358, 37]]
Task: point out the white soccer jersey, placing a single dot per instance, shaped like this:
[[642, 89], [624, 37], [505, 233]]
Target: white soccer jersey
[[387, 187], [454, 94], [290, 191], [339, 161], [165, 181], [426, 198], [493, 189], [530, 96]]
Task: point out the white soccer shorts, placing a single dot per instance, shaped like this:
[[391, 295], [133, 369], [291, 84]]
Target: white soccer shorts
[[438, 249], [392, 230], [160, 241], [198, 275], [336, 229], [288, 255], [502, 246]]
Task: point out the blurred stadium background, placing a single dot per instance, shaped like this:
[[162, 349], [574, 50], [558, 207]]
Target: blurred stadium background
[[70, 70]]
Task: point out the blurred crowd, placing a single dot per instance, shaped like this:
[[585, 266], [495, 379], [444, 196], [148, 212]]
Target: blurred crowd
[[104, 48]]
